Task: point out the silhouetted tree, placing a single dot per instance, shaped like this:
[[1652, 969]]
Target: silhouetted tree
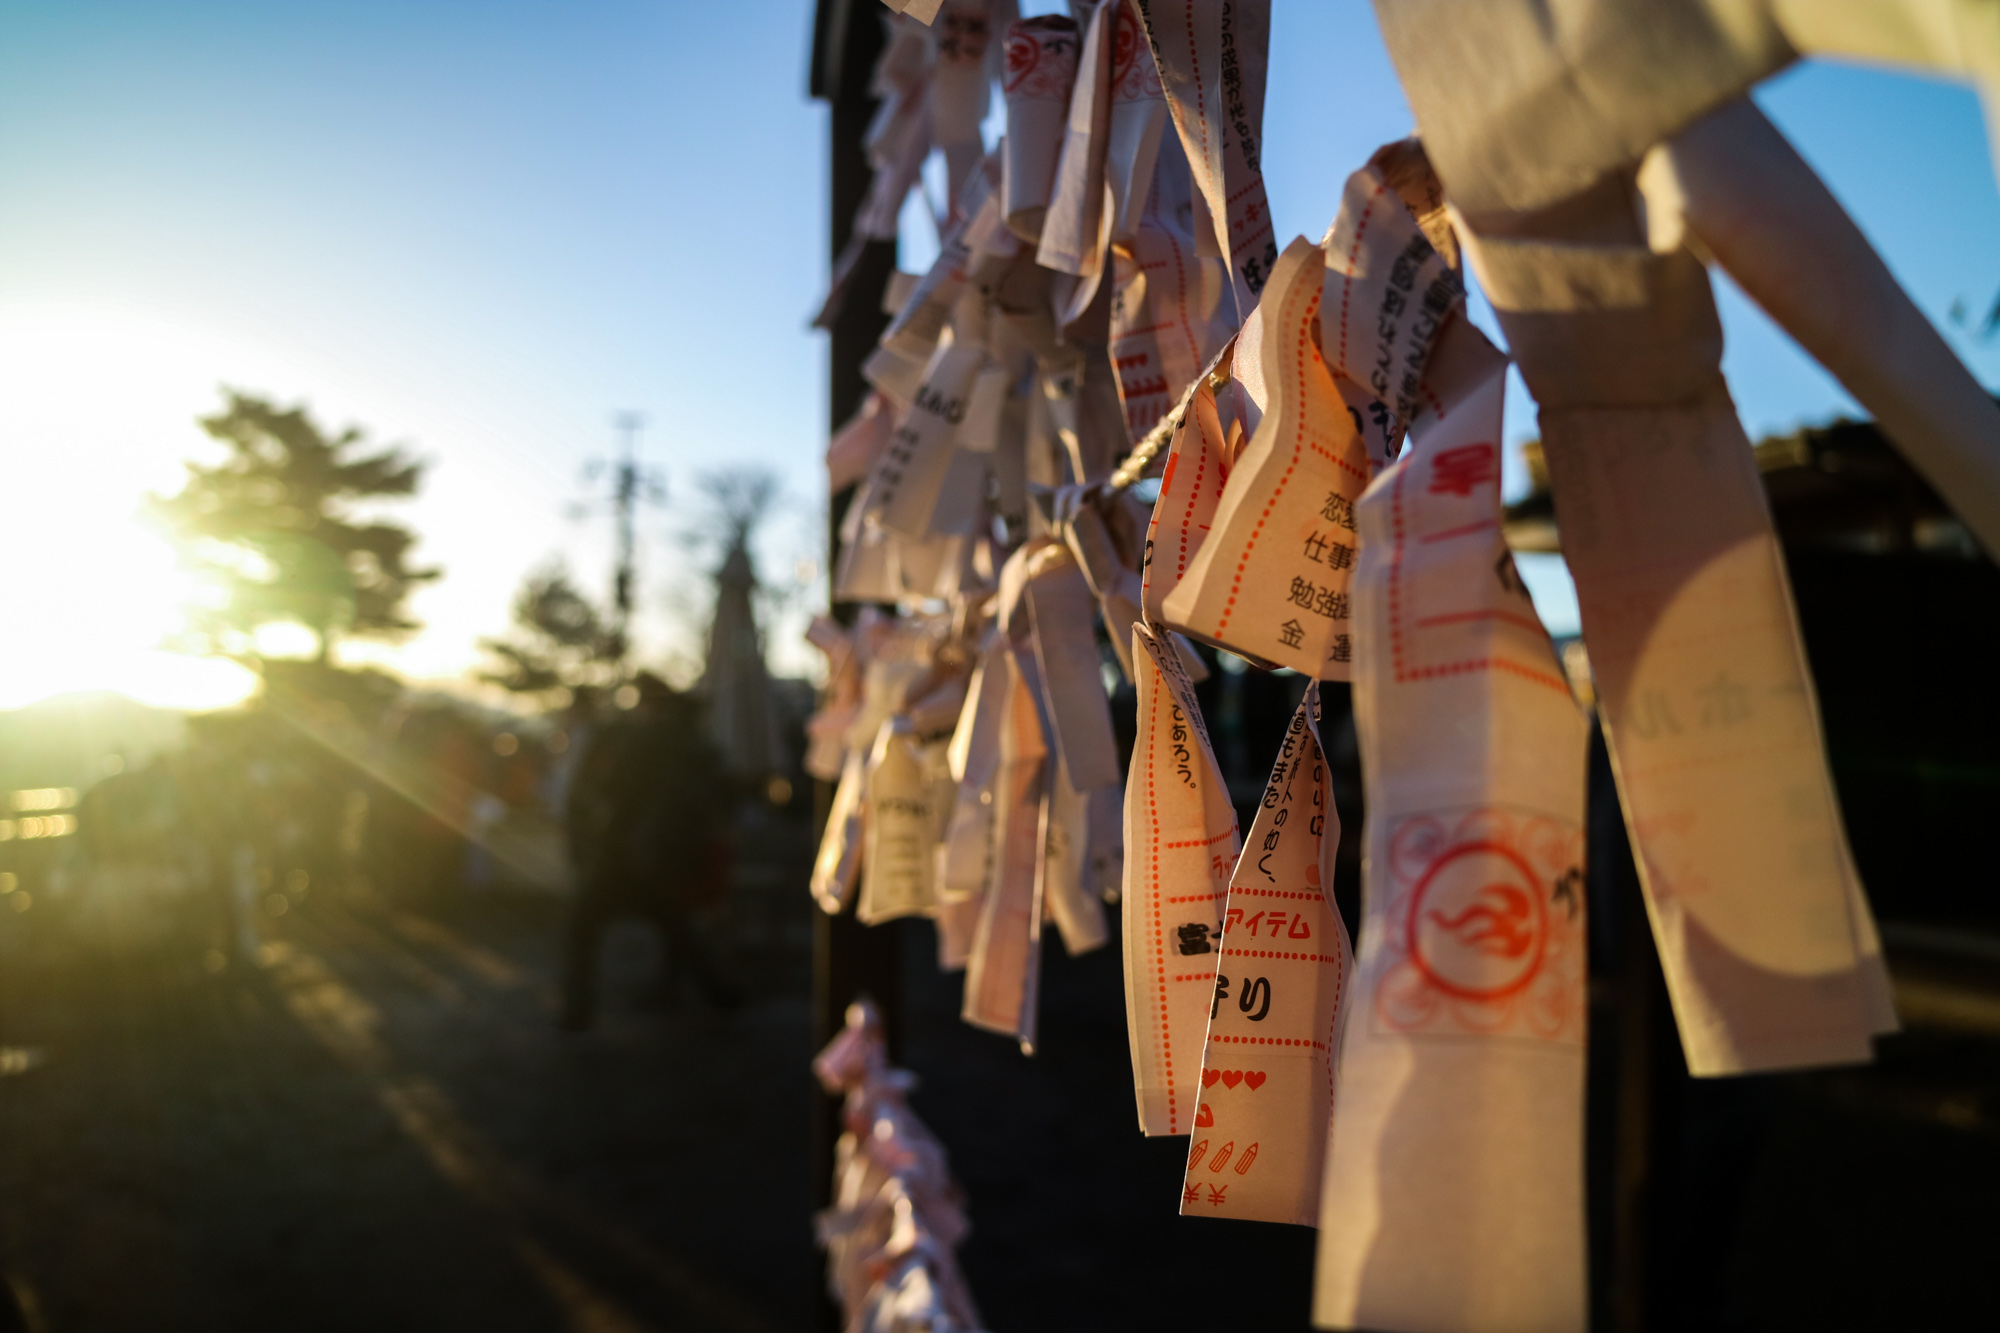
[[560, 639], [274, 526]]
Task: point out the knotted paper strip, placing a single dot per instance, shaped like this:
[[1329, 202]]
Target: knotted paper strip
[[1180, 842], [1454, 1178], [974, 756], [1274, 1024], [1271, 582]]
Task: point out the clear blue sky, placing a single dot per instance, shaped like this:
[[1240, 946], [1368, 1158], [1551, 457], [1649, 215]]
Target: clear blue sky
[[482, 228]]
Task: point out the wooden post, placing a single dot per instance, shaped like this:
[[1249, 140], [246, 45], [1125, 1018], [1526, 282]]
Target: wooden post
[[849, 960]]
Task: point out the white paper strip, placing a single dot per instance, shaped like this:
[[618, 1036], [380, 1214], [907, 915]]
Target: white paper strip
[[1041, 69], [1454, 1183], [1063, 614], [1069, 885], [1211, 57], [839, 859], [910, 474], [906, 809], [1072, 230], [1004, 972]]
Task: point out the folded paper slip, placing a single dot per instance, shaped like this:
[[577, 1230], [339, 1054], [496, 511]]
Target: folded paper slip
[[1184, 511], [1388, 294], [839, 861], [1453, 1197], [975, 764], [1211, 56], [1138, 122], [1259, 1137], [1041, 69], [1271, 582], [1073, 229], [910, 475], [1180, 842], [1166, 304], [1003, 973], [907, 809], [1067, 869], [1063, 615]]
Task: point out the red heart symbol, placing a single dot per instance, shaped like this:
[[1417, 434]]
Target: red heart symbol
[[1203, 1118], [1255, 1080], [1208, 1077], [1232, 1076]]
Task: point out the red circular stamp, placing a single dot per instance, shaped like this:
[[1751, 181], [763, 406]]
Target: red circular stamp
[[1124, 42], [1483, 926], [1478, 923], [1023, 54]]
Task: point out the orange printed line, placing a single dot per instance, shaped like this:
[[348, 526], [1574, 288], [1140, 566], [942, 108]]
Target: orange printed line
[[1299, 374], [1199, 842], [1467, 617], [1555, 683], [1488, 526], [1284, 957]]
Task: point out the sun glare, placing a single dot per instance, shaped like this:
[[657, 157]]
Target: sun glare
[[95, 410]]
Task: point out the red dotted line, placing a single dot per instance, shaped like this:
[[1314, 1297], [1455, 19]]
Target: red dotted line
[[1271, 893], [1293, 957], [1268, 1041], [1159, 924], [1469, 617], [1470, 665], [1333, 1024], [1199, 842], [1299, 371], [1347, 283]]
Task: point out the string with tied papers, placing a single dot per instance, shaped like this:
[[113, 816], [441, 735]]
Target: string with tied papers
[[896, 1215], [1319, 425]]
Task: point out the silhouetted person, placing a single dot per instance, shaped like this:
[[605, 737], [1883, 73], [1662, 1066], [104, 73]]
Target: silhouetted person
[[648, 813]]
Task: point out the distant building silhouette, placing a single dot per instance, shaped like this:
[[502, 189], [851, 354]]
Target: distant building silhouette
[[734, 684]]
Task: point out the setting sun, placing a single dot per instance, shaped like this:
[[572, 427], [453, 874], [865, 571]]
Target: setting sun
[[97, 409]]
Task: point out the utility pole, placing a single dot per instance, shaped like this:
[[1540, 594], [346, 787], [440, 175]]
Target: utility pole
[[626, 499], [631, 485]]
